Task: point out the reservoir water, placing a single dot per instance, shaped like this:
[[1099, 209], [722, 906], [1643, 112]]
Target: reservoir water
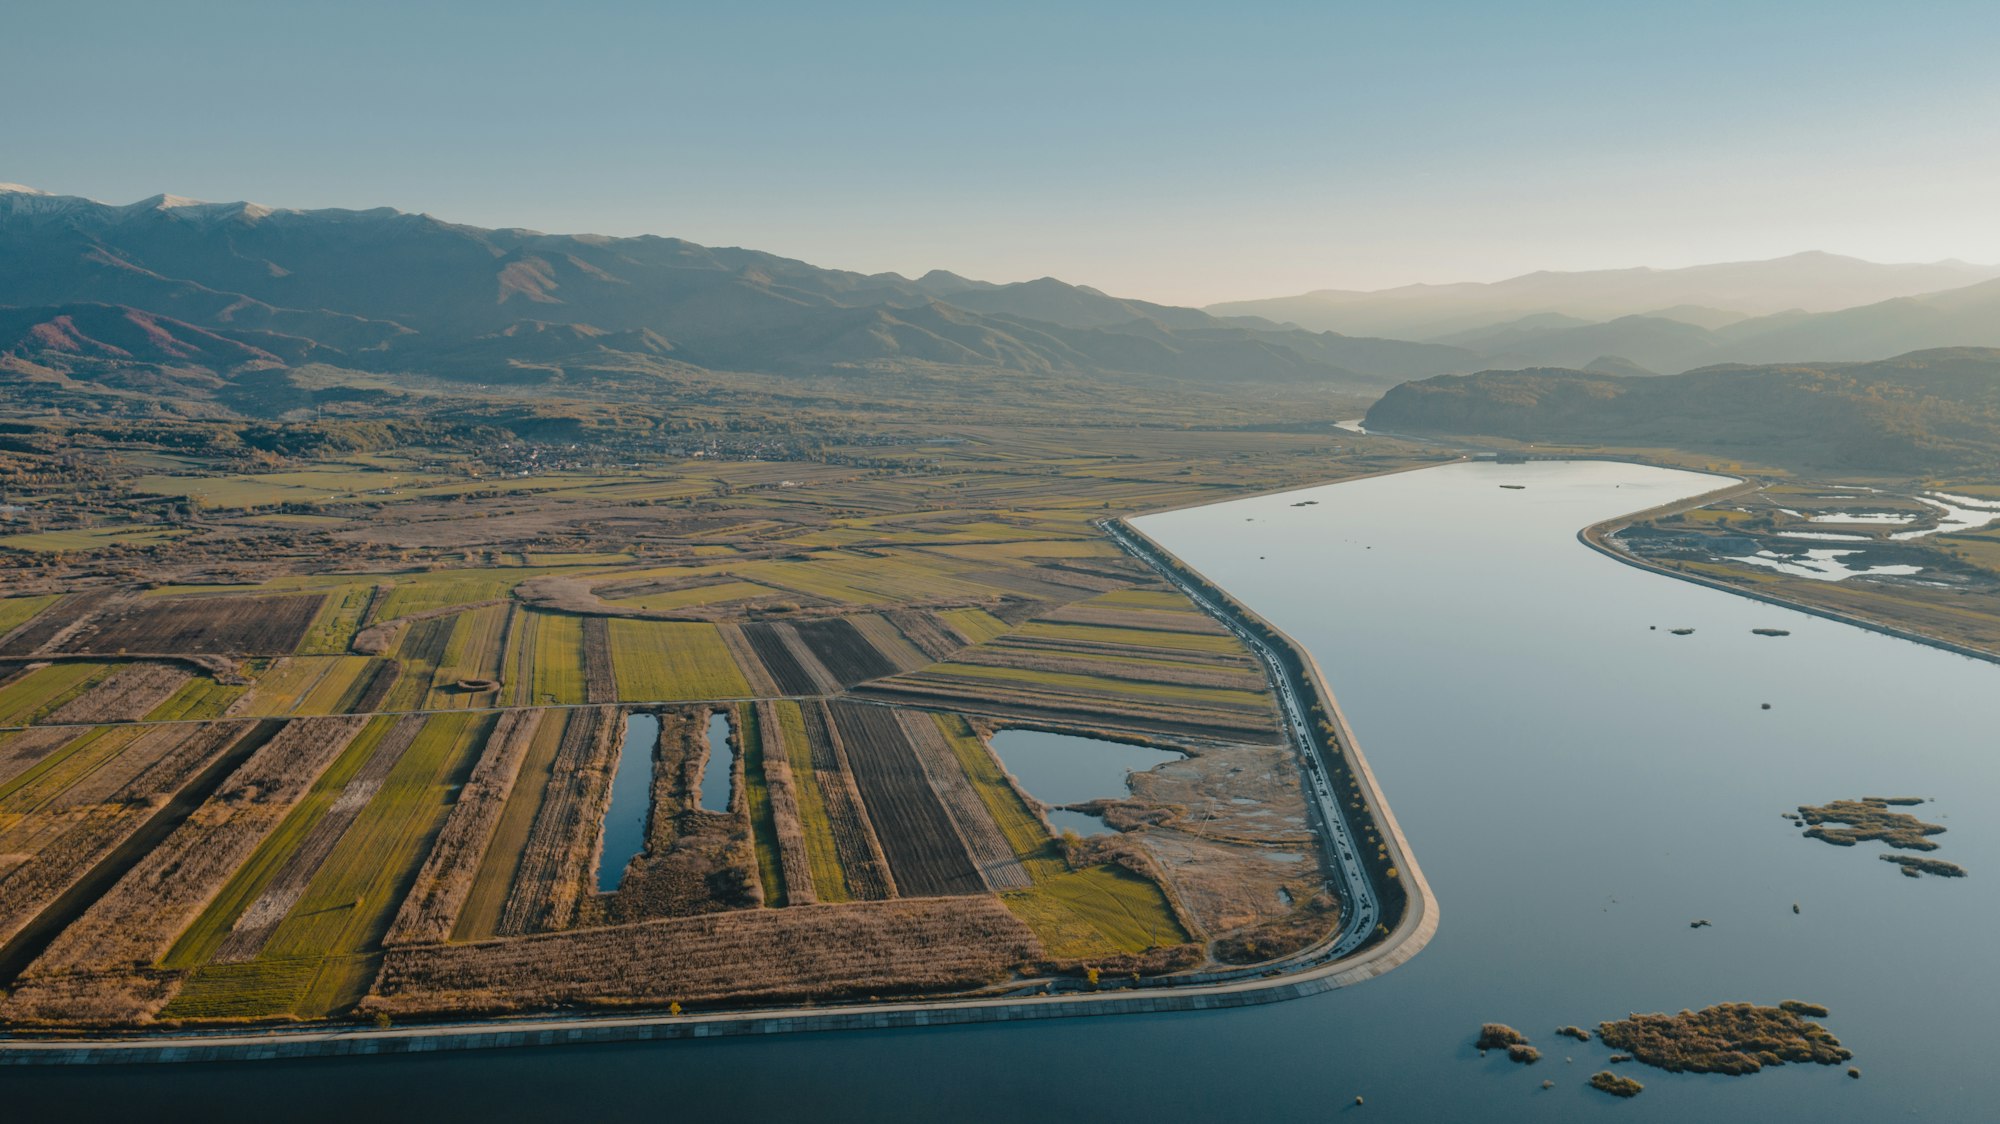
[[631, 800], [1578, 783]]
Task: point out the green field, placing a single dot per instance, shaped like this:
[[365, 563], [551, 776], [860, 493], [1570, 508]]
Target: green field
[[757, 797], [200, 697], [40, 691], [673, 660], [17, 611], [822, 856], [558, 656]]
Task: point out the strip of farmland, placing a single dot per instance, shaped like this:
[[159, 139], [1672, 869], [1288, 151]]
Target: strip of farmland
[[861, 859], [562, 846], [431, 909], [922, 845], [58, 830]]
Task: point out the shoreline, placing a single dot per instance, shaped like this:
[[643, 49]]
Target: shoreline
[[1295, 976], [1596, 536]]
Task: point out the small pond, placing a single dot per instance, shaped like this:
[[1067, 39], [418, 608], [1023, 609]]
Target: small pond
[[1061, 769]]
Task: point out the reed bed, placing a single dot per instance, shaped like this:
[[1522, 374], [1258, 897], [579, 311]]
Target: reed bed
[[63, 835], [563, 843], [815, 952]]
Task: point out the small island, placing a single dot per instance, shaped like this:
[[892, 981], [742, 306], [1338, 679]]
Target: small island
[[1731, 1038], [1614, 1084]]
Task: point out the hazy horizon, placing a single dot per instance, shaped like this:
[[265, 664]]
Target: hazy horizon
[[1171, 153]]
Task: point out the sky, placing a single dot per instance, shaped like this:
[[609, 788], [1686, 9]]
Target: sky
[[1183, 153]]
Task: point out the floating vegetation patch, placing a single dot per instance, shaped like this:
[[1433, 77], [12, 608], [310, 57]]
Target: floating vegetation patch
[[1732, 1038]]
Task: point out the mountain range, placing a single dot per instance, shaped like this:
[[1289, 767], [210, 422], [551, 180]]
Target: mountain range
[[102, 306], [94, 290]]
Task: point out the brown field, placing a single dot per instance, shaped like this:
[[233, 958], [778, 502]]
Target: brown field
[[991, 854], [811, 952], [247, 626], [862, 864], [600, 682], [68, 612], [790, 664], [126, 695], [846, 654], [918, 837]]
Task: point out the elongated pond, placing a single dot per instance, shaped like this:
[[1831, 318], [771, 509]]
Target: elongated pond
[[631, 800], [717, 774], [1579, 784]]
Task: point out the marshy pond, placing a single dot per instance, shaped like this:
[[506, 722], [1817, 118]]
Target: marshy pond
[[1577, 785], [1059, 769]]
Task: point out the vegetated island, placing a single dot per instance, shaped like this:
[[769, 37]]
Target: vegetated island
[[1871, 818], [1732, 1038], [1500, 1036], [1614, 1084]]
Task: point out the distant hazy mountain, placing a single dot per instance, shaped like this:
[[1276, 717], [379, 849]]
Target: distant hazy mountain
[[1928, 411], [1810, 282], [1967, 317], [382, 290]]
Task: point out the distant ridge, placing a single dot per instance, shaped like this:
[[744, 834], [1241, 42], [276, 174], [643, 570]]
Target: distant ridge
[[1809, 282]]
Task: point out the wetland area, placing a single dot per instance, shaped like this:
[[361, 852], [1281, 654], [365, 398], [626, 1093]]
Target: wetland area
[[1577, 783]]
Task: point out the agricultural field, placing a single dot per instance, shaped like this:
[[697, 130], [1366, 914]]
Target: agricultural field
[[349, 751]]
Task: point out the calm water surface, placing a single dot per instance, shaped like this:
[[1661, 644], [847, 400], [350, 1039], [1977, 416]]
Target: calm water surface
[[716, 774], [631, 800], [1066, 769], [1577, 785]]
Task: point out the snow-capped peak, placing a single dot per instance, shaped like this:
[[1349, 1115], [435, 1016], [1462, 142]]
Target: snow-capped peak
[[20, 189]]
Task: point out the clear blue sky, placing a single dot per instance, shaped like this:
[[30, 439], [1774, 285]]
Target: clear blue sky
[[1179, 152]]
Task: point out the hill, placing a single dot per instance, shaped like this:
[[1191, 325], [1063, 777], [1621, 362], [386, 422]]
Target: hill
[[1928, 411]]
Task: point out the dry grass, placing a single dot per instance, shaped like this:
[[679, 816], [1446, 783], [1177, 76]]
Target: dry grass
[[816, 952], [562, 845], [126, 695], [60, 831], [90, 973]]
